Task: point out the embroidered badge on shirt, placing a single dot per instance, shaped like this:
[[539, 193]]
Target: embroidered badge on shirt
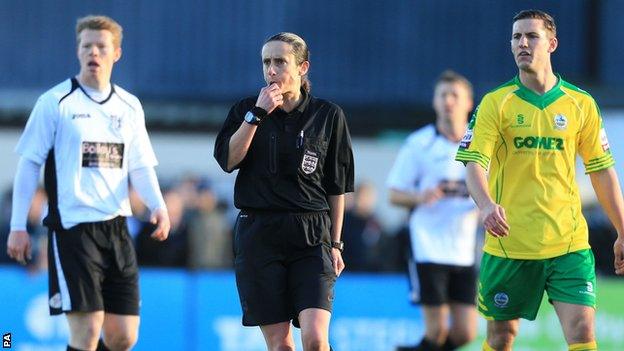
[[466, 140], [501, 300], [309, 162], [561, 122], [116, 122]]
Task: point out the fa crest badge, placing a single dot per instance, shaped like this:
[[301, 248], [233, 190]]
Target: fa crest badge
[[309, 162]]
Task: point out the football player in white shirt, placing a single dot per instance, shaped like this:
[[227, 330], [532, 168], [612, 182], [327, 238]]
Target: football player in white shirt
[[91, 136], [428, 181]]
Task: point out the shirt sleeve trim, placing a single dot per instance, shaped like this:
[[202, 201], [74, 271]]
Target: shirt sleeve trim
[[600, 163], [466, 156]]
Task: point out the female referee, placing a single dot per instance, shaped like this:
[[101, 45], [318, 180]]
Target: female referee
[[293, 153]]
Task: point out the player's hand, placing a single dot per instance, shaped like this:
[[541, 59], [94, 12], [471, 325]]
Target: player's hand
[[160, 217], [19, 247], [270, 97], [431, 196], [618, 250], [337, 261], [495, 220]]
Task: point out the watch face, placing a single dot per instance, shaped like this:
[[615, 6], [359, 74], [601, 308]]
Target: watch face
[[250, 118]]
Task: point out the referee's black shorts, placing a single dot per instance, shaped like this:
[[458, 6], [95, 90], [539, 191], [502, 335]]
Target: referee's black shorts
[[283, 265], [93, 267]]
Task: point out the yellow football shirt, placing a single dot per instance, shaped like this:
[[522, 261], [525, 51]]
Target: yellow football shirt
[[528, 143]]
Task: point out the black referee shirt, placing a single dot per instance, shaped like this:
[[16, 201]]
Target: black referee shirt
[[295, 159]]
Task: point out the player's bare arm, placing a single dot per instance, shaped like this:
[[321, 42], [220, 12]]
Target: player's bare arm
[[493, 215], [413, 199], [609, 193], [618, 250]]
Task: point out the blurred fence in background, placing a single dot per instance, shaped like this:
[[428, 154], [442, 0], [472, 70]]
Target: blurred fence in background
[[378, 59]]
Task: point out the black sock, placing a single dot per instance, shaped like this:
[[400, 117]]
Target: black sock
[[449, 345], [69, 348], [101, 346], [426, 345]]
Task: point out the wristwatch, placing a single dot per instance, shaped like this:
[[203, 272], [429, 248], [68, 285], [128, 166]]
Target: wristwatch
[[338, 245], [255, 115], [252, 119]]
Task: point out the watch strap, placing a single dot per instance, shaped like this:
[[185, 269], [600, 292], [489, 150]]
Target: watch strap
[[338, 245], [259, 112], [252, 119]]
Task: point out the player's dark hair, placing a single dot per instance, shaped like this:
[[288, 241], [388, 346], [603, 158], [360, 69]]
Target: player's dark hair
[[100, 23], [450, 76], [549, 21], [300, 51]]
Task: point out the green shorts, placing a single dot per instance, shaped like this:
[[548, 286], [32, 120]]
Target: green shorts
[[511, 289]]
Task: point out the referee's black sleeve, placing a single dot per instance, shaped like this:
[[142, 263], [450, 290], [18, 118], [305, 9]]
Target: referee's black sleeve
[[222, 143], [339, 167]]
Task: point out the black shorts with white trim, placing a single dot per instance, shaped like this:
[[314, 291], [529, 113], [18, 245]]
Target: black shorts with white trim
[[93, 267]]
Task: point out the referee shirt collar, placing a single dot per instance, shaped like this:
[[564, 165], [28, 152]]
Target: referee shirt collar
[[304, 102]]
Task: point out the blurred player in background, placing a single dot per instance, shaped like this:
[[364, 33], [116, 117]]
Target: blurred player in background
[[428, 181], [294, 160], [524, 139], [91, 136]]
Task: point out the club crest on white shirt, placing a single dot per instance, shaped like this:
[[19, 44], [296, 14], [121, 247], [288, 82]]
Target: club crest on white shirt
[[309, 162], [116, 122]]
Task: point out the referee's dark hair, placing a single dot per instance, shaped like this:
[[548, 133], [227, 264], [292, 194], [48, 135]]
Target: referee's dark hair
[[100, 22], [450, 76], [549, 21], [299, 49]]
